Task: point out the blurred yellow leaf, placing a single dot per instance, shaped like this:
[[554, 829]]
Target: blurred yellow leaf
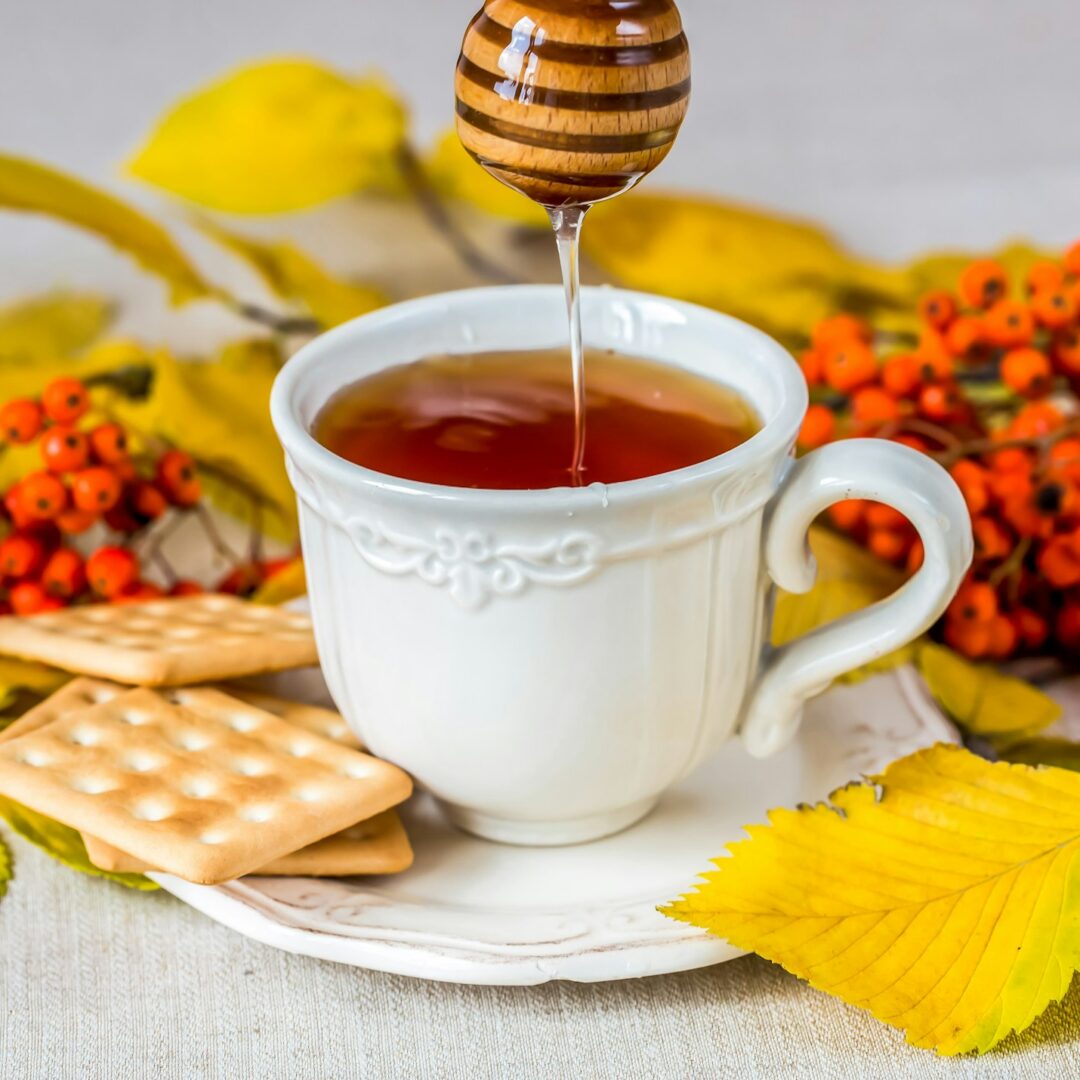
[[63, 844], [849, 579], [779, 274], [1061, 753], [943, 897], [982, 700], [454, 174], [22, 676], [287, 584], [292, 275], [26, 185], [57, 324], [277, 136]]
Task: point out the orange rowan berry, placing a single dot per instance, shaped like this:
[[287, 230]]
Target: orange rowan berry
[[138, 592], [1009, 324], [1071, 261], [940, 401], [96, 489], [972, 481], [992, 539], [178, 478], [1065, 351], [121, 519], [933, 346], [108, 444], [1067, 625], [63, 449], [1038, 418], [965, 335], [1026, 517], [1004, 637], [975, 602], [970, 639], [1054, 308], [871, 407], [186, 588], [818, 427], [848, 514], [73, 522], [21, 555], [1058, 562], [912, 442], [849, 365], [1044, 275], [880, 516], [889, 545], [937, 308], [147, 503], [1027, 371], [813, 366], [64, 574], [915, 556], [29, 598], [839, 329], [1065, 457], [1032, 628], [110, 570], [983, 283], [1013, 459], [20, 420], [901, 375], [65, 400], [41, 496]]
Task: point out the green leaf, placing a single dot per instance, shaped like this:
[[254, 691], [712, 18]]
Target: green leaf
[[983, 701], [5, 866], [1060, 753], [27, 185], [275, 136], [57, 324], [63, 844]]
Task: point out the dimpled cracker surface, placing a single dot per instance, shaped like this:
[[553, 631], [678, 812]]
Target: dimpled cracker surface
[[324, 722], [376, 846], [207, 795], [164, 642], [77, 694]]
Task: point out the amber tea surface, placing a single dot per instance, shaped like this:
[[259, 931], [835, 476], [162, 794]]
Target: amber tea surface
[[506, 420]]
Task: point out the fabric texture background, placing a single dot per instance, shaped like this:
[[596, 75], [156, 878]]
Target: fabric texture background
[[96, 981]]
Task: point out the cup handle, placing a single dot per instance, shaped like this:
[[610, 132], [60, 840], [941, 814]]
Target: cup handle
[[885, 472]]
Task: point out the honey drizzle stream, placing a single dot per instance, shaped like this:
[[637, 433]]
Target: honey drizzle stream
[[567, 222]]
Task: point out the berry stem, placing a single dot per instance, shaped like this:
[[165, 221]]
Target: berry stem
[[978, 447]]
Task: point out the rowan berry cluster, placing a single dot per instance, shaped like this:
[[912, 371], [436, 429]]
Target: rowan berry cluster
[[88, 480], [991, 389]]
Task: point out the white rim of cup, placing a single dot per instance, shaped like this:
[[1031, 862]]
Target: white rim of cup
[[776, 433]]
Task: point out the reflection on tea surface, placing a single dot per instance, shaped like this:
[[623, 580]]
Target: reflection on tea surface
[[506, 420]]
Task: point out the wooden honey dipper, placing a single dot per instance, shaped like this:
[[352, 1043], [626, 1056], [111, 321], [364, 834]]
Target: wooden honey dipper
[[572, 101]]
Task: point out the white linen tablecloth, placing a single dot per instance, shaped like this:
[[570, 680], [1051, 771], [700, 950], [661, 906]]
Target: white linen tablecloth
[[100, 982]]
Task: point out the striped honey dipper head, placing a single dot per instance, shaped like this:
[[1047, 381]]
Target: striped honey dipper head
[[572, 101]]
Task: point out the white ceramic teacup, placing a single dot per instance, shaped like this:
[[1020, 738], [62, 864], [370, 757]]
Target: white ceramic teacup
[[548, 663]]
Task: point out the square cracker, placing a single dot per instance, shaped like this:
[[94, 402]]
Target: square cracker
[[167, 642], [376, 846], [82, 692], [208, 791]]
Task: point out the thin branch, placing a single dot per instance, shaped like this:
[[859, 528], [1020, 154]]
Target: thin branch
[[434, 210], [978, 447], [280, 324]]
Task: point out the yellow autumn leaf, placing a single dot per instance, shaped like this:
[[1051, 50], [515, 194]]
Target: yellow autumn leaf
[[779, 274], [63, 843], [287, 584], [454, 174], [295, 276], [849, 579], [943, 896], [982, 700], [35, 188], [21, 677], [57, 324], [276, 136]]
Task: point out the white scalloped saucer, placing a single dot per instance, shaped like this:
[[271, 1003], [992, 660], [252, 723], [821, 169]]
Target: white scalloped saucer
[[470, 911]]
